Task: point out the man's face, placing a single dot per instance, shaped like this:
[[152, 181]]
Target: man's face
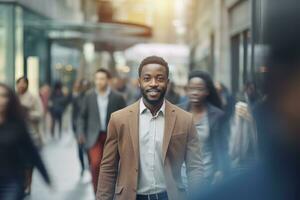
[[22, 86], [101, 80], [153, 83]]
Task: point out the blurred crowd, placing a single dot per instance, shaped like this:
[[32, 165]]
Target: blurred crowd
[[249, 141], [229, 133]]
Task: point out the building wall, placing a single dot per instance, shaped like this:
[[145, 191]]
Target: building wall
[[213, 23], [158, 14]]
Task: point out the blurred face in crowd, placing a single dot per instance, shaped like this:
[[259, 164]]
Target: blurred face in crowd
[[153, 83], [77, 87], [101, 81], [3, 99], [197, 90], [22, 86]]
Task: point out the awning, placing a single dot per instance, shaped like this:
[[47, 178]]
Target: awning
[[105, 36]]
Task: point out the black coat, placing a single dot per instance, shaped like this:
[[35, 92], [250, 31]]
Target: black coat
[[17, 152], [217, 137]]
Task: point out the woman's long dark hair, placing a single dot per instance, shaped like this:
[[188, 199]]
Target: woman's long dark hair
[[14, 111], [213, 97]]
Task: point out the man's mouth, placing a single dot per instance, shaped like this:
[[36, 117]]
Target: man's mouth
[[153, 92]]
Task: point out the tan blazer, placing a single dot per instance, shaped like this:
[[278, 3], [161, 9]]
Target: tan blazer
[[119, 170]]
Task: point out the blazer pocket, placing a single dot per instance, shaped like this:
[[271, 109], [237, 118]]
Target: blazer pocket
[[119, 189]]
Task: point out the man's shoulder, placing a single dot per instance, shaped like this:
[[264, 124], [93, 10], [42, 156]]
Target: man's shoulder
[[181, 113], [122, 113]]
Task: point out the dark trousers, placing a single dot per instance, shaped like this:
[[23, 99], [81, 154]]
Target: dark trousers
[[81, 152], [95, 156], [56, 119], [11, 188]]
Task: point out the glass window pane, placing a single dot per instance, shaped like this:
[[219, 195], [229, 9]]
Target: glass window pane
[[6, 44]]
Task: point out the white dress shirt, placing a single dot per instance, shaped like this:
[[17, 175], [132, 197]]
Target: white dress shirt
[[151, 133], [102, 101]]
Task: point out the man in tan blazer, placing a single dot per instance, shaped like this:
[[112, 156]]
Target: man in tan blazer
[[148, 142]]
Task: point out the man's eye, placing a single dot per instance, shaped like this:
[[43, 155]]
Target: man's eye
[[146, 78]]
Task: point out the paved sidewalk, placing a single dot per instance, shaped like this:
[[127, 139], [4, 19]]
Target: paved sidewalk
[[62, 163]]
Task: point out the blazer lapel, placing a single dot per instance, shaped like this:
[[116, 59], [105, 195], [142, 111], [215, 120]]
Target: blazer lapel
[[133, 121], [170, 118]]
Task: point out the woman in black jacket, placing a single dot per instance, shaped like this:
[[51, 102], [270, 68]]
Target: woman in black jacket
[[205, 105], [17, 150]]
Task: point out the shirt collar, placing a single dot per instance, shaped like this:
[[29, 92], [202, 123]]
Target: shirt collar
[[107, 92], [144, 109]]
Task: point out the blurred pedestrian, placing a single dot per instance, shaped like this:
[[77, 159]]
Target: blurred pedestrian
[[17, 150], [171, 94], [127, 89], [226, 99], [57, 105], [277, 174], [147, 143], [243, 149], [243, 144], [34, 109], [79, 90], [251, 94], [97, 106], [205, 105], [45, 92]]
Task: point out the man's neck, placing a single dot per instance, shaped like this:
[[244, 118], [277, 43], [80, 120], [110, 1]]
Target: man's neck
[[153, 108], [103, 91]]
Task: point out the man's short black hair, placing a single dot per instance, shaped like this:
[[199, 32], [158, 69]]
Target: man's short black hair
[[24, 79], [153, 60], [105, 71]]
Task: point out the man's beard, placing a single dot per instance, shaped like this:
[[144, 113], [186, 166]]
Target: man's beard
[[153, 102]]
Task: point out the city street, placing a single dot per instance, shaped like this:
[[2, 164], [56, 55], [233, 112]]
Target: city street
[[62, 163]]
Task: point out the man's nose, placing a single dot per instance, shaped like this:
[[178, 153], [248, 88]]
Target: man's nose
[[153, 82]]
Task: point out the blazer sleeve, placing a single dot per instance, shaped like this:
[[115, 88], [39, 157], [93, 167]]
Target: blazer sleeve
[[194, 163], [109, 164], [82, 118]]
